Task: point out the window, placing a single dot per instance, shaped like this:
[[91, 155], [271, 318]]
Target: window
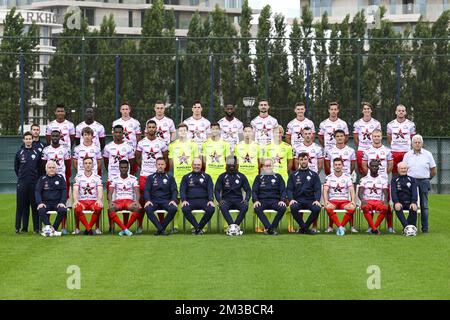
[[130, 19], [89, 15]]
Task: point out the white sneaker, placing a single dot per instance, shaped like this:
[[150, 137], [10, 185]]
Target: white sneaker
[[354, 230], [98, 231], [329, 230], [76, 231], [315, 230], [369, 230], [139, 230], [391, 230]]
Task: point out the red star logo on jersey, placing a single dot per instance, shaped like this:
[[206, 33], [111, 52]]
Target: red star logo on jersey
[[160, 132], [299, 134], [331, 134], [247, 158], [126, 133], [379, 159], [338, 188], [183, 159], [229, 134], [118, 157], [88, 189], [151, 154], [61, 135], [277, 159], [373, 189], [400, 134], [367, 135], [310, 159], [265, 131], [56, 159], [196, 133], [215, 157]]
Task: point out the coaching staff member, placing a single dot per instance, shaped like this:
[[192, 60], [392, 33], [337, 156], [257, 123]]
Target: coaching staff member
[[196, 193], [26, 166], [51, 194], [269, 192], [228, 192], [404, 195], [422, 167], [304, 192], [160, 193]]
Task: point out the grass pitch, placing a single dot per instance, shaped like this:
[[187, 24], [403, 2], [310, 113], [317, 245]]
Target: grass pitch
[[215, 266]]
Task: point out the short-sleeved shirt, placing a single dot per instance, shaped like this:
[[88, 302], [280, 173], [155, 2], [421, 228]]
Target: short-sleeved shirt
[[116, 152], [263, 128], [82, 151], [58, 155], [88, 186], [295, 129], [164, 128], [65, 128], [231, 130], [99, 131], [131, 129], [339, 187], [280, 154], [151, 150], [327, 129], [315, 153], [401, 133], [248, 155], [347, 154], [198, 130], [364, 131], [419, 164], [182, 155], [215, 153], [124, 188], [374, 187], [383, 154]]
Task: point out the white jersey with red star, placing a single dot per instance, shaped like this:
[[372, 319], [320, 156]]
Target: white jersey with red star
[[82, 151], [338, 187], [198, 130], [347, 154], [373, 187], [65, 128], [295, 129], [58, 155], [164, 128], [151, 150], [364, 130], [88, 186], [231, 131], [99, 131], [383, 154], [263, 128], [131, 129], [402, 133], [327, 129], [315, 153], [116, 152], [124, 188]]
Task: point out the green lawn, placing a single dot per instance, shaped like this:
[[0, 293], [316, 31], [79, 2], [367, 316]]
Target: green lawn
[[214, 266]]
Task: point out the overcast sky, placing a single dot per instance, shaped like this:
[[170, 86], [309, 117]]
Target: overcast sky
[[290, 8]]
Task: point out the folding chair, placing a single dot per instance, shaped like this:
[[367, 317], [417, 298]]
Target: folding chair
[[270, 216], [197, 212], [163, 213], [302, 213]]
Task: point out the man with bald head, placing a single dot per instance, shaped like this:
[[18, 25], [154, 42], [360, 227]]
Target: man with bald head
[[196, 193], [404, 195]]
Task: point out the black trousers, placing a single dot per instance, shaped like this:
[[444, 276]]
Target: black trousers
[[238, 205], [171, 211], [24, 200], [412, 217], [315, 210]]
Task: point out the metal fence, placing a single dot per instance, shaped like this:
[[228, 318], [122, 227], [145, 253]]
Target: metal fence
[[438, 146]]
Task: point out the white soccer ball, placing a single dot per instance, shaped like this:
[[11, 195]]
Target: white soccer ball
[[410, 231], [48, 231], [234, 230]]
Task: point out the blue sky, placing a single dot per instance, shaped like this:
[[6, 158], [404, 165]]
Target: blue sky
[[290, 8]]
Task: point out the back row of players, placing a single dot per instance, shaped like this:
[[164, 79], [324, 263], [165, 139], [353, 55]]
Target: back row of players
[[214, 142]]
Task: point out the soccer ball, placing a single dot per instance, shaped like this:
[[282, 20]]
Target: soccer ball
[[410, 231], [234, 230], [47, 231]]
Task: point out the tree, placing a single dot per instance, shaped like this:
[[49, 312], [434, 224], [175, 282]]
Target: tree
[[15, 40], [297, 85], [262, 49]]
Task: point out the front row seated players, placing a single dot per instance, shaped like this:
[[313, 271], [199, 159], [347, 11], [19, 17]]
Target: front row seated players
[[124, 189], [269, 193], [88, 194], [160, 193], [304, 192], [196, 193], [51, 195]]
